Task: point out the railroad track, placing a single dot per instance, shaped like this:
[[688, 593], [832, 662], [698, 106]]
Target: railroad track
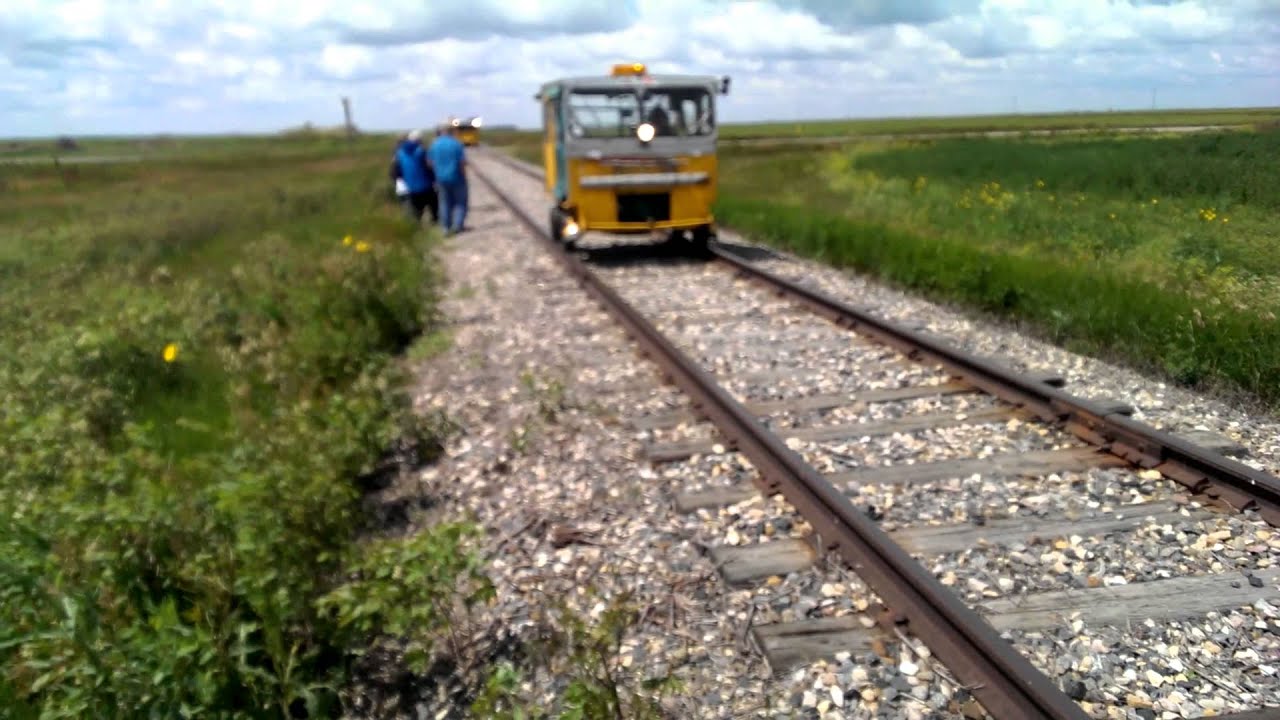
[[776, 387]]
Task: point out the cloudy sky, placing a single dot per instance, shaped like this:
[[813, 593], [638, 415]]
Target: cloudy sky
[[131, 66]]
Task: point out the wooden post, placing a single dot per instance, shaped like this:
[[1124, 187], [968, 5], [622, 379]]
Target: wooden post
[[346, 112]]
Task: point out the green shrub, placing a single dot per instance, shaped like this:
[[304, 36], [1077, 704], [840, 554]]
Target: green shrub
[[188, 393], [580, 655], [415, 589]]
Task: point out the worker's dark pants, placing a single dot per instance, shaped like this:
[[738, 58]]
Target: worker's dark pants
[[453, 205], [425, 200]]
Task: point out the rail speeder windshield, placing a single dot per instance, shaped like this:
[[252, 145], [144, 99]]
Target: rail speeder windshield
[[615, 113]]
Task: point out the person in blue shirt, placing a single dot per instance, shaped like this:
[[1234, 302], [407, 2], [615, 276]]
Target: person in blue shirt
[[418, 178], [449, 163]]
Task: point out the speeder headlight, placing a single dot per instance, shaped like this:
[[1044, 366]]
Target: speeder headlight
[[645, 132]]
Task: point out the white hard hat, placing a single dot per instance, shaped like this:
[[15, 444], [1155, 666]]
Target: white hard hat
[[415, 134]]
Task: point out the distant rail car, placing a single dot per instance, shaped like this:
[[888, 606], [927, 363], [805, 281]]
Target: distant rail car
[[631, 152], [468, 130]]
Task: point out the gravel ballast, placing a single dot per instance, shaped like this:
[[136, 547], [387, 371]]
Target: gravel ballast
[[545, 388]]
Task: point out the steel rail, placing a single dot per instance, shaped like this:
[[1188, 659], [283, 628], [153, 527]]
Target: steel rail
[[1005, 682], [1199, 469], [1265, 713]]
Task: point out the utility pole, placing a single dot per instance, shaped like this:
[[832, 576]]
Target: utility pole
[[346, 112]]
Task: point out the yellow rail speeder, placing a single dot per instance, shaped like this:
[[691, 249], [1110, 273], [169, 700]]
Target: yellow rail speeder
[[468, 130], [631, 152]]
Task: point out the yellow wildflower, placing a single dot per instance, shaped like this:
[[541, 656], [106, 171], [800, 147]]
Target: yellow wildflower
[[1111, 215], [1039, 183], [170, 352], [1155, 201], [362, 246], [346, 240], [1226, 219]]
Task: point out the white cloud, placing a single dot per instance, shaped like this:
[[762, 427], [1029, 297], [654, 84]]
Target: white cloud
[[1045, 33], [768, 32], [261, 64], [191, 104], [343, 61], [81, 19]]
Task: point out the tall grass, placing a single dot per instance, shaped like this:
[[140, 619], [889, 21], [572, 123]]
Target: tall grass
[[1156, 250], [197, 359]]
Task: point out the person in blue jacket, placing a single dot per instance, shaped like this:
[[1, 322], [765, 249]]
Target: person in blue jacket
[[448, 161], [418, 178]]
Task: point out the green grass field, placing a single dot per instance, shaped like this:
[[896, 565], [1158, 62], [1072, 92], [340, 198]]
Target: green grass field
[[1157, 250], [301, 142], [984, 123], [198, 358]]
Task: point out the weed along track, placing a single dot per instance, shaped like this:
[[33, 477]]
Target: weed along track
[[928, 533]]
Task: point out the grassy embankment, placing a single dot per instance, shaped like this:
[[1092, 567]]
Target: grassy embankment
[[197, 364], [1156, 250]]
